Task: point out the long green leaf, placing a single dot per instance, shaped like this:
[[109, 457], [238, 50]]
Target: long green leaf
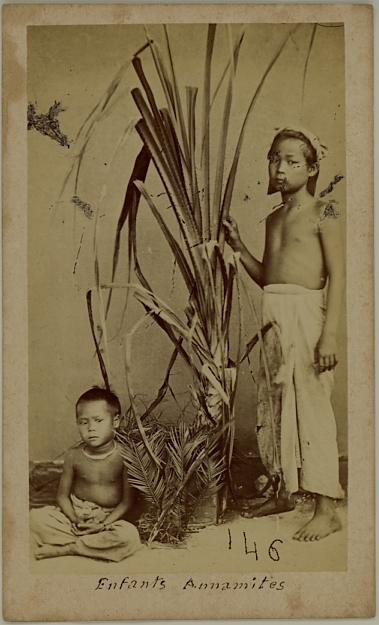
[[131, 201], [175, 146], [175, 247], [141, 277], [98, 286], [164, 130], [137, 64], [206, 370], [205, 131], [163, 388], [191, 103], [94, 119], [162, 148], [228, 302], [173, 189], [222, 146], [178, 103], [307, 60], [254, 341], [194, 254], [162, 311], [128, 360], [162, 74], [97, 346], [276, 465], [216, 91], [233, 170]]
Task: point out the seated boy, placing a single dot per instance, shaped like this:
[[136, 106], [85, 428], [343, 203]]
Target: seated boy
[[296, 429], [93, 495]]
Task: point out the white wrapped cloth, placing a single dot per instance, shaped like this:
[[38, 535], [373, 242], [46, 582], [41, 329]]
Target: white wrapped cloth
[[118, 540], [296, 428]]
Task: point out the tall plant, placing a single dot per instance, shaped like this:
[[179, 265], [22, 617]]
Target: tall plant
[[199, 188]]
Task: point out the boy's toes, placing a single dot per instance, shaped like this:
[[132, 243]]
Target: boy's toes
[[304, 535], [299, 534]]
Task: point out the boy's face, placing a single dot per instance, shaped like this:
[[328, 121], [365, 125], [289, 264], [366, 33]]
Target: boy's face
[[95, 421], [288, 168]]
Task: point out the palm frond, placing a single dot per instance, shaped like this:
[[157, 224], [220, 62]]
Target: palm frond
[[190, 472], [142, 470]]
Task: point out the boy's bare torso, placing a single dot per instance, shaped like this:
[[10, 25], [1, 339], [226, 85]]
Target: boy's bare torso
[[98, 480], [293, 252]]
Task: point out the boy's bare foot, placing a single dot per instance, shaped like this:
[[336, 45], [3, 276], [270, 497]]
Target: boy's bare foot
[[273, 505], [54, 551], [325, 521]]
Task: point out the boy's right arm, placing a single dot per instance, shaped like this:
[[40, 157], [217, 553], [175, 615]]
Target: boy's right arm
[[65, 487], [253, 267]]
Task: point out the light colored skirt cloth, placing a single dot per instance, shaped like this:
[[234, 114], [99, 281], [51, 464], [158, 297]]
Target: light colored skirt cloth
[[296, 428], [49, 526]]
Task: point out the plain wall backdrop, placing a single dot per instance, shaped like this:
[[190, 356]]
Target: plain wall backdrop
[[74, 65]]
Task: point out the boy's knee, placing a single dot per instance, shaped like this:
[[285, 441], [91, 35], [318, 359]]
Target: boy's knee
[[35, 517], [37, 523], [127, 532]]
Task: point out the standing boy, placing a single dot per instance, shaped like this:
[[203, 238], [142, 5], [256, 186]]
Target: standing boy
[[94, 493], [296, 428]]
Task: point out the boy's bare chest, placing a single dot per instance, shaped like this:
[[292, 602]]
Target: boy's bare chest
[[104, 471], [297, 227]]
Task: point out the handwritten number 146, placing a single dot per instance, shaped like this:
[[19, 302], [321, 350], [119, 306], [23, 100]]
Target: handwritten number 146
[[251, 547]]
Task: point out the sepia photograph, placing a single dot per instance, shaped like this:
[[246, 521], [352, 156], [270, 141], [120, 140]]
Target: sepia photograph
[[186, 227], [158, 213]]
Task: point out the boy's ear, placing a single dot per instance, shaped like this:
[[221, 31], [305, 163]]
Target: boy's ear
[[116, 420], [314, 169]]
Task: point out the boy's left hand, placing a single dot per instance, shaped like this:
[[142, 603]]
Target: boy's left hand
[[326, 356], [80, 529]]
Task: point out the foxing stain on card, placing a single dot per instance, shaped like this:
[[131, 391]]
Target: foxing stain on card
[[83, 206], [47, 123]]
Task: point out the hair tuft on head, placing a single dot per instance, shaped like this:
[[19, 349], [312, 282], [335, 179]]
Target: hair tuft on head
[[96, 393], [308, 149], [312, 149]]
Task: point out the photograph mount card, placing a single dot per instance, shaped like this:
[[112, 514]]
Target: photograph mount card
[[188, 312]]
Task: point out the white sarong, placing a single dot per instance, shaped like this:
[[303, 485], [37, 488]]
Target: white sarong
[[115, 542], [296, 428]]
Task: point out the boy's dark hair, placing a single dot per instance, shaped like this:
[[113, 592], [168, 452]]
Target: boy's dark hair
[[98, 394], [310, 155], [309, 151]]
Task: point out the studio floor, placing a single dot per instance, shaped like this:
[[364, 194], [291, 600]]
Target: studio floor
[[236, 545]]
